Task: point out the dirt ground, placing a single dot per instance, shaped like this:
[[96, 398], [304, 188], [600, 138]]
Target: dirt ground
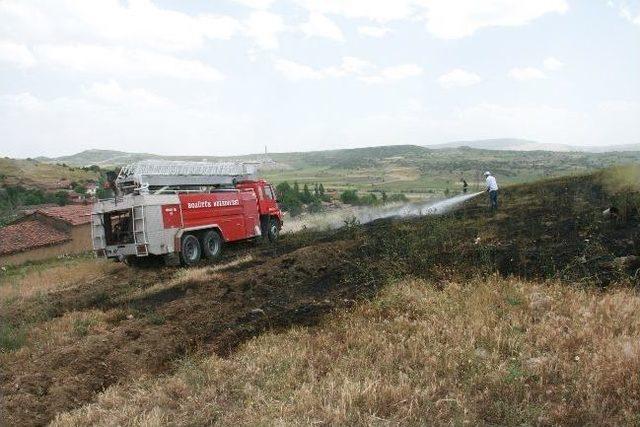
[[152, 317], [214, 312]]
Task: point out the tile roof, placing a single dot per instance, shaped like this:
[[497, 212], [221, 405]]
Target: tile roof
[[73, 214], [30, 234]]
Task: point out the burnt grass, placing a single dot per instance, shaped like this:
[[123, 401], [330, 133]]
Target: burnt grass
[[552, 229]]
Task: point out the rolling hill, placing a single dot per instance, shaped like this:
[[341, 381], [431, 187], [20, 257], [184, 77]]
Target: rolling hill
[[406, 168], [516, 144], [467, 318]]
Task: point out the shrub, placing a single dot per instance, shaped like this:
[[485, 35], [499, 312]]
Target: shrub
[[11, 337], [349, 197]]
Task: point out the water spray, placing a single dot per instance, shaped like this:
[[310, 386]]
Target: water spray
[[364, 215]]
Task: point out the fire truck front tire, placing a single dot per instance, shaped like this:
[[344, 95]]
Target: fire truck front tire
[[273, 232], [212, 244], [191, 250]]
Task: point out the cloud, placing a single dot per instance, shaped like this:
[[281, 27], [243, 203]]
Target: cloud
[[138, 23], [526, 73], [350, 66], [125, 62], [264, 27], [456, 19], [374, 10], [459, 78], [112, 93], [534, 73], [16, 54], [629, 12], [373, 31], [451, 19], [319, 25], [553, 64], [256, 4], [295, 71]]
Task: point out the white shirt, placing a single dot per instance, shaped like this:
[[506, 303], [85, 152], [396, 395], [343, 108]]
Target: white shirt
[[492, 185]]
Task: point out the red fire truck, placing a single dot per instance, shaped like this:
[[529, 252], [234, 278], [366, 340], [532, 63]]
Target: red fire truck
[[183, 211]]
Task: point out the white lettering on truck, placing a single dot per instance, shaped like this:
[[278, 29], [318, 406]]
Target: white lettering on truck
[[209, 204]]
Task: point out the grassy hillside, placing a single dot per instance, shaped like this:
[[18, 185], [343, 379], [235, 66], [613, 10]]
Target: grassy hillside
[[525, 316], [407, 168], [496, 351], [422, 170], [34, 174]]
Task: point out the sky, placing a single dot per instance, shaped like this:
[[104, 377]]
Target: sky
[[229, 77]]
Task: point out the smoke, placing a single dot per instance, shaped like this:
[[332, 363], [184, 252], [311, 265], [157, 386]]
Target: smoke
[[336, 219]]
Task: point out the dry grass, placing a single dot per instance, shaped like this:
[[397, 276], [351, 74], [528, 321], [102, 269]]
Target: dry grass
[[31, 280], [43, 175], [68, 329], [492, 351]]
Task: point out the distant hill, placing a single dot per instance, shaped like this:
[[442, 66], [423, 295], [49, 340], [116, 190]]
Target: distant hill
[[110, 158], [411, 169], [98, 157], [516, 144]]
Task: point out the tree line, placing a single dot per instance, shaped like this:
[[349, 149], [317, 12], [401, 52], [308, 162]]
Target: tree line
[[294, 200]]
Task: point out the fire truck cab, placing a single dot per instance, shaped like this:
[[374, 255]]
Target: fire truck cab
[[183, 211]]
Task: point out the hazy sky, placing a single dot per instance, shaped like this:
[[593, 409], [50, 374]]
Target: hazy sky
[[230, 76]]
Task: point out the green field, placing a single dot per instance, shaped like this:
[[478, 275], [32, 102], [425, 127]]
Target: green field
[[406, 168], [414, 169]]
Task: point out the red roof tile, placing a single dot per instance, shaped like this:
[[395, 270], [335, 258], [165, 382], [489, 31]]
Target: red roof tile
[[27, 235], [73, 214]]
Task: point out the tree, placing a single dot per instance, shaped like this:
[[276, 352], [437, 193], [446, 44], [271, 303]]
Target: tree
[[282, 189], [321, 189], [349, 197], [62, 197], [384, 197], [306, 197], [296, 187]]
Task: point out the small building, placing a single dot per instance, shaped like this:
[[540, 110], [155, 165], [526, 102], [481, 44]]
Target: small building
[[76, 198], [46, 233], [92, 189]]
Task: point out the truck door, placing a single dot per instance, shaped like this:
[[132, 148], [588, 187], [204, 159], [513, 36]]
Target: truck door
[[251, 213]]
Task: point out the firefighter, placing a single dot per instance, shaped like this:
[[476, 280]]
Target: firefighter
[[492, 189]]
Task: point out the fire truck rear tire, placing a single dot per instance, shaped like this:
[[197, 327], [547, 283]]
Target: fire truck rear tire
[[212, 244], [191, 250]]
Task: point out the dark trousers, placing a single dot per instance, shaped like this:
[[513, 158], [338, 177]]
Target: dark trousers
[[493, 198]]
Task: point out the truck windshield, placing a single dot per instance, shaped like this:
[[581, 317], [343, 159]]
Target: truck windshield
[[268, 192]]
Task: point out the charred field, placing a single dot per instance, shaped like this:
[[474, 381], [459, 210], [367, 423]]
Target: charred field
[[65, 346]]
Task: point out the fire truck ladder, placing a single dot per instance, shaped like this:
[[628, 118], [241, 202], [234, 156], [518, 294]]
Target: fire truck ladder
[[97, 231], [139, 235], [154, 176]]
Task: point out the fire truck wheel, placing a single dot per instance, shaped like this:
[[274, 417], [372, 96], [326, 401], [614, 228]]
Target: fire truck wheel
[[212, 244], [274, 231], [191, 250]]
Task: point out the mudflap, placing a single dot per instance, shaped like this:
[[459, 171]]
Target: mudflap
[[172, 259]]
